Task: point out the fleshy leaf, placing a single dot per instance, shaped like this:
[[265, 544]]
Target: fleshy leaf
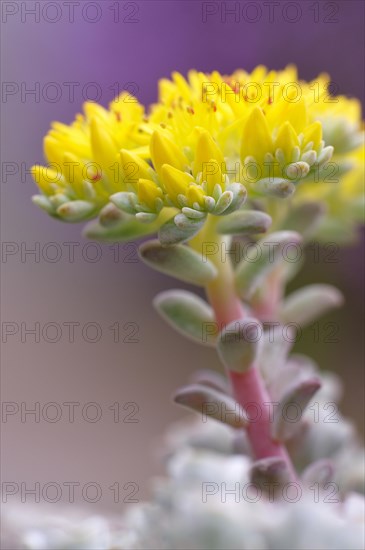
[[188, 314], [269, 252], [239, 343], [125, 201], [43, 202], [110, 215], [307, 304], [170, 233], [75, 211], [128, 229], [208, 377], [178, 261], [288, 413], [213, 404], [244, 222], [275, 187]]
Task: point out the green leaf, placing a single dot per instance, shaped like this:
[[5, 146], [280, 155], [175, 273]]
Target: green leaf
[[213, 404], [275, 187], [127, 230], [75, 211], [307, 304], [170, 233], [270, 250], [179, 261], [188, 314], [291, 270], [239, 344], [125, 201], [215, 380], [288, 412], [43, 202], [110, 215], [244, 222]]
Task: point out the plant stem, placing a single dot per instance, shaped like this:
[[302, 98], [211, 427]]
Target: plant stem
[[250, 392], [248, 387]]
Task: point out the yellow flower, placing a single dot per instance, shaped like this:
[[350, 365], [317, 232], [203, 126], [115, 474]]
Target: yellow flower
[[260, 121], [208, 138], [84, 166], [192, 179]]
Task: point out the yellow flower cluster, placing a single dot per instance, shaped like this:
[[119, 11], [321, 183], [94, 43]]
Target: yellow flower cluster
[[207, 139], [83, 160]]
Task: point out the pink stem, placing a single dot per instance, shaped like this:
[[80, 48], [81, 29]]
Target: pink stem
[[250, 392], [248, 387]]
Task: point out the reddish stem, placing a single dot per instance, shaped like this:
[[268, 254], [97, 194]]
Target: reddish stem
[[248, 387], [250, 392]]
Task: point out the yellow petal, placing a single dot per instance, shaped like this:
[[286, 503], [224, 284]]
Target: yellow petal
[[212, 174], [126, 107], [256, 139], [206, 150], [53, 151], [182, 85], [164, 151], [286, 140], [195, 194], [296, 113], [104, 151], [148, 192], [313, 133], [175, 181], [133, 167], [95, 111], [291, 73], [143, 152], [46, 178], [258, 74], [74, 172]]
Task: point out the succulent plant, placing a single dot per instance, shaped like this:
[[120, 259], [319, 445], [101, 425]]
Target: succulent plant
[[218, 158]]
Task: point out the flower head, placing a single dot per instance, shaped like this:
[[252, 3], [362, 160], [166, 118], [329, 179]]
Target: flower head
[[207, 140]]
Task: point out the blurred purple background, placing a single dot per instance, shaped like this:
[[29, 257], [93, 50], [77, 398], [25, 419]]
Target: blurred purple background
[[131, 45]]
